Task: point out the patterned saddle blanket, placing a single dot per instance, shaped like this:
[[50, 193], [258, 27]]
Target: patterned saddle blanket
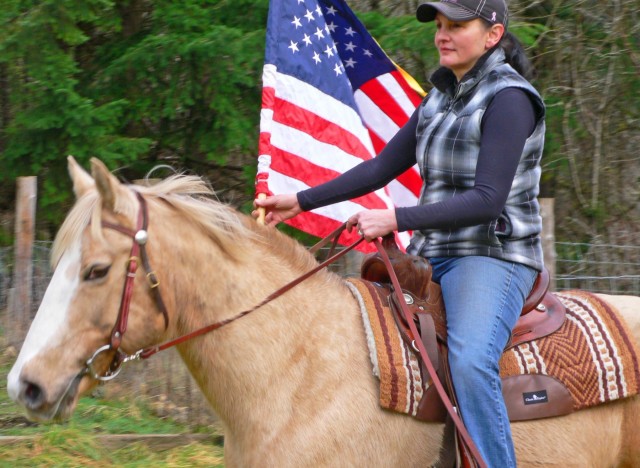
[[590, 360]]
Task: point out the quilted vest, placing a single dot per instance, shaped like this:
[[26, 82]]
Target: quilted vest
[[448, 135]]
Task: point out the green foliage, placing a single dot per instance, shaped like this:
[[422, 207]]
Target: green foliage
[[528, 33], [187, 79], [132, 83]]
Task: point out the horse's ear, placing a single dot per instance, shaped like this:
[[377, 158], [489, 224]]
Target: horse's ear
[[82, 181], [108, 185]]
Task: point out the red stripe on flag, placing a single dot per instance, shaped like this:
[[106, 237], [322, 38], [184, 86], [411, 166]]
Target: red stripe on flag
[[268, 97], [387, 103], [291, 115], [415, 97], [378, 143], [311, 174], [264, 143], [411, 180]]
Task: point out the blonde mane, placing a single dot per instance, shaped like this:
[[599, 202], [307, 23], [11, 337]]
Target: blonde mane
[[196, 200]]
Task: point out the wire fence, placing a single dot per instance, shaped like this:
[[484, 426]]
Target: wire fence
[[163, 381], [167, 386], [601, 268]]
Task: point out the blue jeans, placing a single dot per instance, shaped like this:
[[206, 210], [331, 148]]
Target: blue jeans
[[483, 297]]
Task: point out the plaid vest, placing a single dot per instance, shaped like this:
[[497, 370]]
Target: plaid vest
[[448, 135]]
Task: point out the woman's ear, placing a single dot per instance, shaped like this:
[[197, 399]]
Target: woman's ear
[[495, 34]]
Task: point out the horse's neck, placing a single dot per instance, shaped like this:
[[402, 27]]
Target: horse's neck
[[257, 367]]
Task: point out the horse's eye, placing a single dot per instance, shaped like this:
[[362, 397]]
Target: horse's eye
[[95, 272]]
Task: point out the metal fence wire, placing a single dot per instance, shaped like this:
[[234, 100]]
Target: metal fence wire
[[165, 383], [601, 268]]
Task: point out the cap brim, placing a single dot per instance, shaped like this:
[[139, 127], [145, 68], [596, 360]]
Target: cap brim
[[427, 12]]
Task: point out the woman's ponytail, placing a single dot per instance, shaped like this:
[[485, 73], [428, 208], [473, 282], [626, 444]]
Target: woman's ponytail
[[516, 56]]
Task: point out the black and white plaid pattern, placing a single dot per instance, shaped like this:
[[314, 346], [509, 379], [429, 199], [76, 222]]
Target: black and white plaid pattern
[[448, 135]]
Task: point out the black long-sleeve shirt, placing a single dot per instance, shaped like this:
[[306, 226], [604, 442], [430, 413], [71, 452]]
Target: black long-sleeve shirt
[[506, 124]]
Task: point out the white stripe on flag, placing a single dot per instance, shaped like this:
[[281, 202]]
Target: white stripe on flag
[[266, 119], [305, 146], [401, 195], [375, 118], [392, 86]]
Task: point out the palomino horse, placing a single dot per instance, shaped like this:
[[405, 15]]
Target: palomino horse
[[291, 382]]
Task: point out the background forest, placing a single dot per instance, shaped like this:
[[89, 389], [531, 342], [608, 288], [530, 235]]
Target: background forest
[[139, 83]]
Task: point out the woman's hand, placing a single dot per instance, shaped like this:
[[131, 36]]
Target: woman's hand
[[373, 223], [278, 208]]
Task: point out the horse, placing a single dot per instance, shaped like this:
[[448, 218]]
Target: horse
[[291, 382]]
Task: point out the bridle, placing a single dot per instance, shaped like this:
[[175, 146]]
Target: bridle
[[139, 255]]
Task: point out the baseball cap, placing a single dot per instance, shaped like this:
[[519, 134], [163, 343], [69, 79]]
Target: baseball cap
[[493, 11]]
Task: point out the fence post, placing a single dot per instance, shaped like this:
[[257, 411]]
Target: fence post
[[19, 314], [549, 238]]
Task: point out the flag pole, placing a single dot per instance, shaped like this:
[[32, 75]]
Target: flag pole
[[261, 211], [262, 184]]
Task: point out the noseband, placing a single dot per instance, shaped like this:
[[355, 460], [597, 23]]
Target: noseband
[[138, 255]]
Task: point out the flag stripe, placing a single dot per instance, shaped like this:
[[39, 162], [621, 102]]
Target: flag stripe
[[414, 95], [412, 181], [393, 83], [375, 118], [400, 194], [305, 146], [312, 175], [378, 143], [383, 98], [323, 130]]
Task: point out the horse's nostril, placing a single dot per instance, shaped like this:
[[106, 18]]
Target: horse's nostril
[[33, 395]]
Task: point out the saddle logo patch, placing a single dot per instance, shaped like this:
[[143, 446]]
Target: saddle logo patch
[[534, 398]]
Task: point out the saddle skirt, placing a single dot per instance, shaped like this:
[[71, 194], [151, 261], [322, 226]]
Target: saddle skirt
[[589, 360]]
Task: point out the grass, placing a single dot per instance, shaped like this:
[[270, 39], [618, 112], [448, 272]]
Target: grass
[[69, 447], [76, 443]]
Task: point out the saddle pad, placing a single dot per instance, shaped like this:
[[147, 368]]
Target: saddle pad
[[395, 364], [592, 353]]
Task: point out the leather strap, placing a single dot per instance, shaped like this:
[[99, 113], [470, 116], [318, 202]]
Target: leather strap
[[138, 254], [148, 352], [333, 237], [429, 338], [462, 431]]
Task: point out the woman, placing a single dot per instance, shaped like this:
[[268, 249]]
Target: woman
[[478, 139]]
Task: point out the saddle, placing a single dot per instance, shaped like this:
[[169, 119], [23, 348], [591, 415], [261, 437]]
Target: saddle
[[541, 315]]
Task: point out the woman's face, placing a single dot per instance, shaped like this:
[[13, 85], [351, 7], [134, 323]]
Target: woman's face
[[462, 43]]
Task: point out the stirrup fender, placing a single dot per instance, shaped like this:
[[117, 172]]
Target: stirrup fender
[[539, 290]]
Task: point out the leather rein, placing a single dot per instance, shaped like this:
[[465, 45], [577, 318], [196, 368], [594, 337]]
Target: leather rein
[[139, 255]]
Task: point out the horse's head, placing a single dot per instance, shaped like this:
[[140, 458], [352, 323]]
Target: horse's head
[[92, 258]]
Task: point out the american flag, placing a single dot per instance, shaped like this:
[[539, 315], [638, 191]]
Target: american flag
[[331, 99]]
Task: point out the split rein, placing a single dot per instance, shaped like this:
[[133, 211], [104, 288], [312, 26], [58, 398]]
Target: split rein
[[139, 255]]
